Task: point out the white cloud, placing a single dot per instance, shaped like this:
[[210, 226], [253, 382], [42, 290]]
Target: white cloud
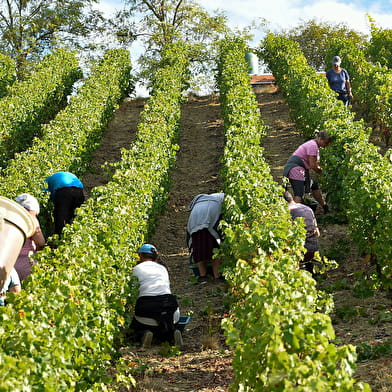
[[288, 13], [282, 14], [285, 14], [109, 7]]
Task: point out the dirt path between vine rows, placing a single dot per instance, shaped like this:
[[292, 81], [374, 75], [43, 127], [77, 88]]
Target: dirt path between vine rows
[[204, 362]]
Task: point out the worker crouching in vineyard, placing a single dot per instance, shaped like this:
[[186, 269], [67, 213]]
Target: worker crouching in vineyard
[[202, 233], [33, 244], [156, 309], [66, 192], [297, 169], [312, 231]]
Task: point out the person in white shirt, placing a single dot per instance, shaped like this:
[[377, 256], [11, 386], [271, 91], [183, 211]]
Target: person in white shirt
[[156, 309]]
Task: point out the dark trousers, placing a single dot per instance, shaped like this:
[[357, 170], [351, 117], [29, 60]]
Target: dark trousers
[[161, 308], [66, 201], [344, 98]]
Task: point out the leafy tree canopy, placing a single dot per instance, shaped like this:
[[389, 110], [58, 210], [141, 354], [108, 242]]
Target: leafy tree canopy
[[314, 37], [31, 28], [159, 22], [380, 46]]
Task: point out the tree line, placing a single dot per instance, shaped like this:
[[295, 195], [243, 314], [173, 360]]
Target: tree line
[[32, 28]]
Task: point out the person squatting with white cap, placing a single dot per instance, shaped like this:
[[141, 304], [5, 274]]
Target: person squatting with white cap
[[36, 242], [156, 309]]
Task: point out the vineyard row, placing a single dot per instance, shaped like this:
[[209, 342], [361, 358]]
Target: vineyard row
[[278, 327], [56, 334], [35, 101], [356, 176]]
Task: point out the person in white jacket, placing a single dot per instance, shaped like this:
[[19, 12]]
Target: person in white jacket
[[203, 236]]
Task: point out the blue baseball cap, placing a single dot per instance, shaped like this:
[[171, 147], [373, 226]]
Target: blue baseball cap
[[147, 248]]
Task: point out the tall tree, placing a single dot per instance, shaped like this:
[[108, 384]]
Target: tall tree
[[158, 22], [31, 28], [314, 37], [380, 46]]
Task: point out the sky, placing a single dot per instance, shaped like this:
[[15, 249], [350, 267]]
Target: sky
[[285, 14]]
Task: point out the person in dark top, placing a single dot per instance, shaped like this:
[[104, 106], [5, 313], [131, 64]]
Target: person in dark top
[[339, 81]]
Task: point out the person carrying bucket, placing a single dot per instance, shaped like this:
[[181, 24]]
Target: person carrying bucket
[[16, 225], [33, 244]]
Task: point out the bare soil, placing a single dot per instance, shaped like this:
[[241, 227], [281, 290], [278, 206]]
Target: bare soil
[[204, 362]]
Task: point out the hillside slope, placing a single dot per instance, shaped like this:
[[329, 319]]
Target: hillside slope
[[204, 361]]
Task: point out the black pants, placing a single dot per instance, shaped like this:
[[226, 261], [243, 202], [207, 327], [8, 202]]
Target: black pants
[[66, 201], [344, 98], [161, 308]]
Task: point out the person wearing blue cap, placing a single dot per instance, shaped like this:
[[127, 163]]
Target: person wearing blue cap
[[66, 192], [339, 81], [156, 308]]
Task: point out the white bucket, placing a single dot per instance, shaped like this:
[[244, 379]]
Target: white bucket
[[16, 224]]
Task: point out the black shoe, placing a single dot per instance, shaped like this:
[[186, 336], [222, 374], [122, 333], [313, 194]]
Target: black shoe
[[202, 279], [326, 208], [178, 338], [221, 279]]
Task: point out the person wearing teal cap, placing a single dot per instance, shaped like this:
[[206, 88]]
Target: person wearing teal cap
[[156, 308], [66, 192]]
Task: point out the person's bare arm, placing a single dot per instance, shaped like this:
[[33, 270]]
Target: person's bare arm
[[38, 238], [348, 86], [314, 164], [15, 289]]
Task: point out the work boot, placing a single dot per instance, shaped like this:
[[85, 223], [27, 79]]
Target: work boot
[[147, 339], [178, 338]]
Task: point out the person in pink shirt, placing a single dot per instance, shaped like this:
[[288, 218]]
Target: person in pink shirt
[[36, 242], [298, 166]]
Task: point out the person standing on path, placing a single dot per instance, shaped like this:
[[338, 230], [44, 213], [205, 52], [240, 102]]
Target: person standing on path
[[298, 210], [66, 192], [33, 244], [156, 309], [203, 235], [339, 81], [305, 158]]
